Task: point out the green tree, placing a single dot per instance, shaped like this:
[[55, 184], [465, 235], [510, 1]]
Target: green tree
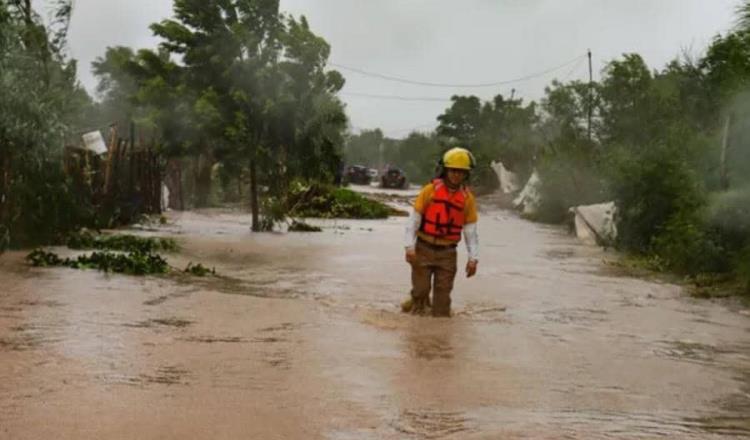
[[509, 133], [117, 87], [726, 69], [626, 104], [40, 105], [307, 133], [418, 155], [502, 129], [364, 148], [461, 123], [226, 48], [261, 93]]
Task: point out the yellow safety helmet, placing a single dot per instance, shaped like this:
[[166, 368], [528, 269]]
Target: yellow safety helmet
[[458, 158]]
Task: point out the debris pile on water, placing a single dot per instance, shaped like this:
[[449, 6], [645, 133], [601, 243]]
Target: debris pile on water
[[120, 242], [133, 263], [128, 254], [326, 201], [199, 270], [298, 226]]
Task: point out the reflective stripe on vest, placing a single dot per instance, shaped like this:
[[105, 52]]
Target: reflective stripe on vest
[[444, 215]]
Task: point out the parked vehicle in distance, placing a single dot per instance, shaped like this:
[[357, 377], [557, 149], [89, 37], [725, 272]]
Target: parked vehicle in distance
[[357, 175], [394, 178]]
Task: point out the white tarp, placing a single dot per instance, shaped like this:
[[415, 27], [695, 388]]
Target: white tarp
[[529, 200], [94, 141], [595, 224], [508, 180]]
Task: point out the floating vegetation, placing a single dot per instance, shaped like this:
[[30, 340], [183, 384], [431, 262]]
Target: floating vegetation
[[124, 242], [325, 201], [298, 226], [41, 258], [199, 270], [133, 263]]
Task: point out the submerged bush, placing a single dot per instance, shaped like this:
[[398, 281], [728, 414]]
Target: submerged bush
[[41, 258], [134, 263], [199, 270], [120, 242], [297, 226]]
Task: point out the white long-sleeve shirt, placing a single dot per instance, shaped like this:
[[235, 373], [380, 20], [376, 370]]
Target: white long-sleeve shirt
[[471, 235]]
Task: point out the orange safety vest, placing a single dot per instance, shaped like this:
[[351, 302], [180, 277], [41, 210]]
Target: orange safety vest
[[444, 215]]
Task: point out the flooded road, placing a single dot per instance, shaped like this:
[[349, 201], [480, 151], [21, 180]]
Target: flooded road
[[301, 337]]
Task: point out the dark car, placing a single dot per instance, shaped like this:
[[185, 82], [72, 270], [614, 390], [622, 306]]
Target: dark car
[[394, 178], [357, 174]]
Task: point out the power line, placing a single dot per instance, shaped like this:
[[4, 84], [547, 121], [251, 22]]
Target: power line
[[431, 84], [431, 125], [573, 70], [395, 97], [407, 98]]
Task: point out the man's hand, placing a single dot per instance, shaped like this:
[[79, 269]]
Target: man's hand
[[471, 268], [411, 255]]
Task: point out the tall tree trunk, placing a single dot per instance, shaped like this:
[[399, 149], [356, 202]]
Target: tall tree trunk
[[6, 210], [254, 196], [180, 186], [203, 180], [4, 183]]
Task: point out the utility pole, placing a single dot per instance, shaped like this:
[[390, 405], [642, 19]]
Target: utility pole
[[512, 94], [591, 103]]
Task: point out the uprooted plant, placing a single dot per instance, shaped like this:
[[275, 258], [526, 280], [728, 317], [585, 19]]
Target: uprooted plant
[[318, 200]]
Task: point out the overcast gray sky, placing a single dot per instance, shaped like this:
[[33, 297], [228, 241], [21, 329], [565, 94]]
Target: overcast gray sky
[[445, 41]]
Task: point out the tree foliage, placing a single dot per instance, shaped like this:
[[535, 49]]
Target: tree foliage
[[251, 94], [41, 109]]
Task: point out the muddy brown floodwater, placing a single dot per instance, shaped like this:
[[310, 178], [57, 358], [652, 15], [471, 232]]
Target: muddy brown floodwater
[[300, 337]]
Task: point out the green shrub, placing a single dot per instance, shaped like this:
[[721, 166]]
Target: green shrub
[[134, 263], [43, 206], [652, 187], [567, 180], [684, 245], [729, 216]]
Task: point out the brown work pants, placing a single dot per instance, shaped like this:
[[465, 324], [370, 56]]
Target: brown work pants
[[435, 269]]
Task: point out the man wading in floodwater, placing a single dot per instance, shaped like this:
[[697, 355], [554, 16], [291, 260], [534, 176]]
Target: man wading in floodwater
[[442, 211]]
